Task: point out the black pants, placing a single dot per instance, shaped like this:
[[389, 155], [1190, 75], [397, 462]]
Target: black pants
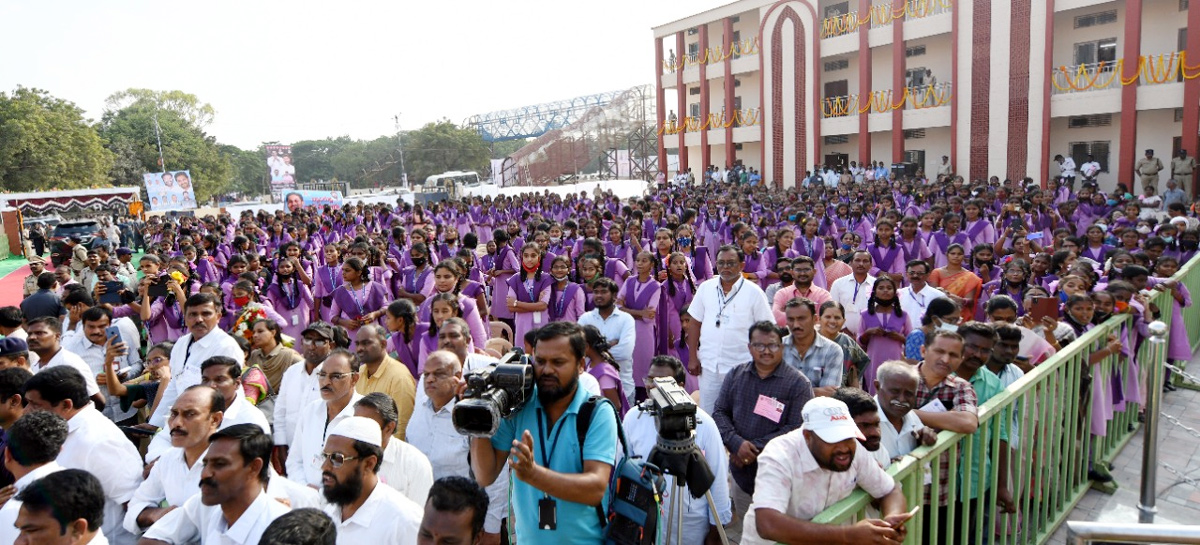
[[949, 532]]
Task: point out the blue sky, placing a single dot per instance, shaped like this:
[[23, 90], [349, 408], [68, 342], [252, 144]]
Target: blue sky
[[298, 70]]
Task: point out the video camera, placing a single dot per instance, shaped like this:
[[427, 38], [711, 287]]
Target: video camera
[[494, 393], [675, 452]]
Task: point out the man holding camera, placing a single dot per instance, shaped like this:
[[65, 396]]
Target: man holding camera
[[559, 479], [699, 524]]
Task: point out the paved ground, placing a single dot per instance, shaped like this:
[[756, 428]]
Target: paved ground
[[1178, 502]]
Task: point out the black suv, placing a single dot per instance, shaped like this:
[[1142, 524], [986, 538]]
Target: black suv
[[84, 229]]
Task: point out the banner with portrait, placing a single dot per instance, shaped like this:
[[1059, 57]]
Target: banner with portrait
[[298, 198], [280, 169], [170, 190]]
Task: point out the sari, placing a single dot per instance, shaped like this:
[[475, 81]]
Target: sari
[[963, 284]]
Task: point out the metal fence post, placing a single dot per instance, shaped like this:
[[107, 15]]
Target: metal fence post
[[1158, 343]]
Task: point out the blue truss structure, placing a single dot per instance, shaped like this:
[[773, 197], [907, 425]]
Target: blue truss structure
[[538, 119]]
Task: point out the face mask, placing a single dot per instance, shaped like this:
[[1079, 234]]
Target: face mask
[[1111, 202], [786, 279], [1100, 317], [1143, 229], [1168, 240], [1128, 196], [555, 240], [559, 278], [792, 217], [945, 326], [845, 246], [684, 241], [241, 301], [418, 261], [1189, 244]]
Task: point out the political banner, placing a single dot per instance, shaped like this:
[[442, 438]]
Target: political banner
[[281, 169], [298, 198], [170, 190]]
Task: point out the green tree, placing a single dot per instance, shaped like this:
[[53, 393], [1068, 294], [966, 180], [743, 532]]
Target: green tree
[[314, 158], [185, 146], [442, 146], [46, 143], [249, 169], [501, 150]]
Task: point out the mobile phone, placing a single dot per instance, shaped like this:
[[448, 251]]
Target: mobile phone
[[112, 292], [137, 431], [112, 332], [909, 515], [1035, 236], [158, 288], [1044, 306]]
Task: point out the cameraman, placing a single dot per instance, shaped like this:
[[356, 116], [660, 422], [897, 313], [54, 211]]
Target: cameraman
[[555, 489], [699, 525]]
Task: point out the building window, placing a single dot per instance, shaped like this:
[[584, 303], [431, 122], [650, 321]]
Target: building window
[[1178, 115], [694, 109], [693, 50], [913, 134], [915, 77], [1183, 5], [1082, 121], [837, 10], [1095, 52], [835, 65], [914, 51], [915, 156], [693, 90], [1099, 150], [835, 140], [1096, 19]]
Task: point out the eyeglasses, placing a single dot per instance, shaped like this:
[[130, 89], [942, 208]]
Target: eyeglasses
[[316, 342], [335, 459], [769, 347], [333, 376]]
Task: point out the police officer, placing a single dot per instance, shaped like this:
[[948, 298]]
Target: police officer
[[1147, 169], [37, 265], [1182, 167]]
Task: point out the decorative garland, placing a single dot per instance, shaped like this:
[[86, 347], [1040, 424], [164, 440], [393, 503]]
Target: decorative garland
[[1151, 70], [880, 14], [882, 101], [741, 118], [749, 46]]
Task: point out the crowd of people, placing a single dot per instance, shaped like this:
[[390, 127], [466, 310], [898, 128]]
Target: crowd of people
[[295, 373]]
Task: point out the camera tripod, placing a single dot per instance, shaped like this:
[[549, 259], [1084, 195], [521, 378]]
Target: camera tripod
[[683, 460]]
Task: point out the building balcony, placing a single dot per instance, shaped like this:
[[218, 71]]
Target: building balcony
[[882, 15], [712, 55], [910, 98], [716, 121], [1107, 75]]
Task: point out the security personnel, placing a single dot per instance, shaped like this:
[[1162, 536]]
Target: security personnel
[[1147, 169], [37, 265], [1182, 167]]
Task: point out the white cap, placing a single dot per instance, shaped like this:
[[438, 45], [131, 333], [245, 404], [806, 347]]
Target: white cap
[[359, 428], [830, 420]]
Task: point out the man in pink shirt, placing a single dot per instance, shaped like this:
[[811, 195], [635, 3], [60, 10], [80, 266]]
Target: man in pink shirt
[[803, 270]]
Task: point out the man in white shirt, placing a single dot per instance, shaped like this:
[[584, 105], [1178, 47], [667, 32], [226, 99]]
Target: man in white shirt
[[803, 471], [202, 312], [232, 507], [915, 297], [365, 510], [34, 441], [404, 467], [900, 429], [337, 377], [94, 443], [299, 387], [175, 477], [853, 290], [1066, 167], [75, 518], [722, 312], [618, 328], [1090, 169], [699, 523], [44, 343], [91, 347], [431, 428]]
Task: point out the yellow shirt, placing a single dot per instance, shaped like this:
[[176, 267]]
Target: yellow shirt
[[395, 380]]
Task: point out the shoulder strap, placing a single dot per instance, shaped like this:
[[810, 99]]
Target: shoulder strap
[[582, 422]]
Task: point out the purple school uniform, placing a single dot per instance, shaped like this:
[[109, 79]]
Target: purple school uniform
[[294, 302], [980, 231], [1177, 345], [669, 324], [566, 305], [352, 304], [886, 259], [1095, 254], [638, 295], [530, 290], [755, 264], [403, 351], [414, 281], [815, 249], [940, 241], [327, 279], [879, 348], [506, 259], [426, 341], [470, 311]]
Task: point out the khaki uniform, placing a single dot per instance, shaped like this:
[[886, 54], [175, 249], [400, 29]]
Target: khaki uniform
[[78, 259], [1147, 170], [1181, 171]]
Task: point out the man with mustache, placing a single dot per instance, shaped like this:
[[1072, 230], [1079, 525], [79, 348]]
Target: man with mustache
[[34, 442], [175, 477], [299, 385], [225, 375], [900, 428], [820, 359], [866, 416], [383, 373], [560, 478], [403, 466], [363, 509], [336, 379], [805, 470], [233, 507]]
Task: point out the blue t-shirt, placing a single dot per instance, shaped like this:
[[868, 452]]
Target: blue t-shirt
[[577, 523]]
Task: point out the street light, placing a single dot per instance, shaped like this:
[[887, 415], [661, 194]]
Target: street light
[[400, 146]]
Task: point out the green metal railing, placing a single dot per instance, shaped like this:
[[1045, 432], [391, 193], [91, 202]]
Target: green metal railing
[[1052, 445]]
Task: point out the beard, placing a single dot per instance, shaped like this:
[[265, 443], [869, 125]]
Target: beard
[[550, 394], [344, 493]]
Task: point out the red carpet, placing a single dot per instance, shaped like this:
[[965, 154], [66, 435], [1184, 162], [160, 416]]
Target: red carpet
[[10, 287]]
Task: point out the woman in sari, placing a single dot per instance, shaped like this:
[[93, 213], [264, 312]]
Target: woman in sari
[[961, 285]]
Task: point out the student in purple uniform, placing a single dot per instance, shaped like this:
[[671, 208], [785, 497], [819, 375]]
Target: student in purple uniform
[[698, 256], [291, 298], [884, 328], [442, 307], [528, 296], [505, 266], [887, 257], [640, 297], [447, 277], [415, 282], [328, 278], [754, 267], [359, 300], [1095, 248], [566, 297], [401, 320]]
